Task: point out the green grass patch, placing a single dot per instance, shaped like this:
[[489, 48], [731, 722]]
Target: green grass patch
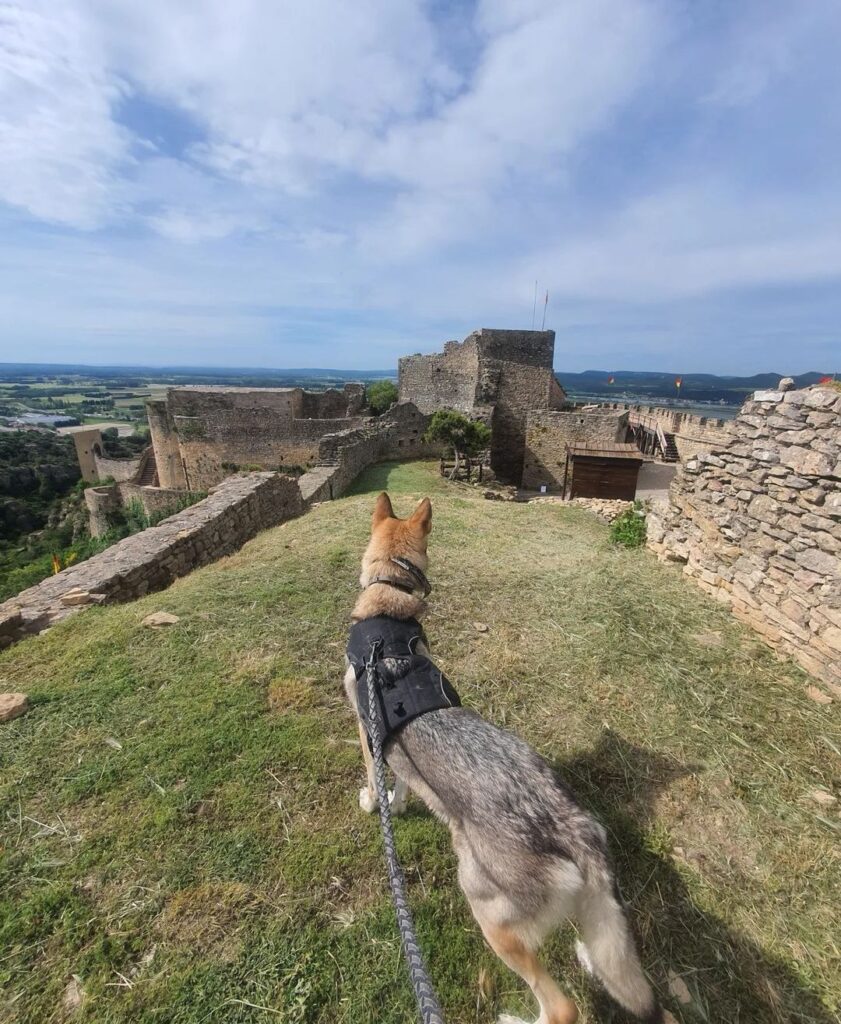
[[178, 810]]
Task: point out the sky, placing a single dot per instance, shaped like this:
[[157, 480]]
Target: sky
[[277, 184]]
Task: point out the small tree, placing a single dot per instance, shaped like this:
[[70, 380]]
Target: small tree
[[465, 437], [380, 396]]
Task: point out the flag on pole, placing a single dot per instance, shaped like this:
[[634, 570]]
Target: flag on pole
[[611, 380], [678, 382], [545, 304]]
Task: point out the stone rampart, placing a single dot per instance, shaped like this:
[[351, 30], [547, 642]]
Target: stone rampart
[[755, 521], [235, 511], [692, 433], [116, 469], [342, 456]]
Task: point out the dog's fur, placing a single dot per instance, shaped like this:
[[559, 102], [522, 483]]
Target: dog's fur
[[529, 856]]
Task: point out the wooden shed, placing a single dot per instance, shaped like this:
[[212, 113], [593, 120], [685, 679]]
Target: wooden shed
[[602, 470]]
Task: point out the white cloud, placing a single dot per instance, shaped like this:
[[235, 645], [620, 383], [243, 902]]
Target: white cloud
[[384, 157], [697, 239], [59, 148]]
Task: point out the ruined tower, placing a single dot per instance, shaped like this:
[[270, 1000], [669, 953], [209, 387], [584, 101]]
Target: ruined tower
[[497, 375]]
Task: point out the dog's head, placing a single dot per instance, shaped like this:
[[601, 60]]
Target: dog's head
[[392, 537]]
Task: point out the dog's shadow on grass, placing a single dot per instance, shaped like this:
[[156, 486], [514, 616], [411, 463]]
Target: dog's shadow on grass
[[728, 978]]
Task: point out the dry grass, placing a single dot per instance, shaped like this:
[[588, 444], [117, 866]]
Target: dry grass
[[215, 866]]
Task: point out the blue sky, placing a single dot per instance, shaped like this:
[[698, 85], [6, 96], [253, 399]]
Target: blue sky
[[266, 183]]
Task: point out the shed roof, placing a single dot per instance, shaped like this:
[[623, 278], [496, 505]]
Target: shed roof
[[605, 450]]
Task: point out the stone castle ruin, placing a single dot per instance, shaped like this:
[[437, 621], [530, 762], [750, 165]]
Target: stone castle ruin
[[497, 376], [200, 436], [752, 515]]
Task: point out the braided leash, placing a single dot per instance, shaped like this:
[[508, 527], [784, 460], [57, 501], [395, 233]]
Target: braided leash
[[430, 1009]]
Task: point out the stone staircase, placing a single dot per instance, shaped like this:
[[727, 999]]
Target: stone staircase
[[670, 452], [148, 473]]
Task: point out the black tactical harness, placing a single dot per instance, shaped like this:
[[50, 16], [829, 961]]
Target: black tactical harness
[[408, 684]]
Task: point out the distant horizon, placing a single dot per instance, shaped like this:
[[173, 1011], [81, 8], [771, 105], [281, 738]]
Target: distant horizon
[[381, 371]]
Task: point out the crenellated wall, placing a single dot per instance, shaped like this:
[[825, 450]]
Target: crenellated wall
[[692, 433], [756, 521]]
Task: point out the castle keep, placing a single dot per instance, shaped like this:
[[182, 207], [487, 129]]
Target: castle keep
[[494, 375]]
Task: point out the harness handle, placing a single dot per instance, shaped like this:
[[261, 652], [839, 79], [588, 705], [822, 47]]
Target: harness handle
[[430, 1008]]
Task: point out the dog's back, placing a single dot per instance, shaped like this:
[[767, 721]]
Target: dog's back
[[529, 855]]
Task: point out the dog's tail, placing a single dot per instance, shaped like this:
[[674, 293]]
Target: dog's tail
[[608, 950]]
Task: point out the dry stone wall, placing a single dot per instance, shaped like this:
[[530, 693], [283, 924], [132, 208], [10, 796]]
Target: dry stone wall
[[235, 511], [755, 520]]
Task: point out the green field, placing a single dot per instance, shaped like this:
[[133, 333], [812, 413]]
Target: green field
[[181, 841]]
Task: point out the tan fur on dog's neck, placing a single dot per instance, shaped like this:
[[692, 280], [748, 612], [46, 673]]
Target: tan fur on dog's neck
[[392, 537]]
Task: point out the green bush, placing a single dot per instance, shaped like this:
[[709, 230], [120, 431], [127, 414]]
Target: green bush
[[380, 396], [629, 529]]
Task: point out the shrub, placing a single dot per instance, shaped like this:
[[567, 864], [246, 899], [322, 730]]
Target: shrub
[[459, 434], [629, 529], [380, 396]]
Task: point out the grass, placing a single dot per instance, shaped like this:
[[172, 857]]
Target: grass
[[178, 811]]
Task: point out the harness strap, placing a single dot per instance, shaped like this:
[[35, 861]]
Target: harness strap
[[420, 582], [427, 1000]]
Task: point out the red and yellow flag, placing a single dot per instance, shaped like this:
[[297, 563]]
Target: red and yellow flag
[[678, 382]]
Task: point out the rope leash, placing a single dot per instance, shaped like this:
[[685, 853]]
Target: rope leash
[[428, 1004]]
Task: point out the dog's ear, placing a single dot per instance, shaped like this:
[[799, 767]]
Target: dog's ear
[[422, 516], [382, 510]]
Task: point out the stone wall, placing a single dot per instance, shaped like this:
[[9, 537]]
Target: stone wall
[[165, 444], [444, 380], [203, 434], [692, 433], [342, 456], [116, 469], [755, 522], [549, 432], [493, 374], [235, 511]]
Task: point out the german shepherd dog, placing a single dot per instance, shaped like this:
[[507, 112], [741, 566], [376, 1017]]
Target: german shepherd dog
[[528, 856]]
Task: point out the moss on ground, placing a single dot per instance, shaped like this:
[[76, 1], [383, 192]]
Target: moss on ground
[[178, 810]]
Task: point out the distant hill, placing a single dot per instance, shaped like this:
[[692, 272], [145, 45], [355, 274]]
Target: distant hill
[[695, 387], [628, 385], [183, 374]]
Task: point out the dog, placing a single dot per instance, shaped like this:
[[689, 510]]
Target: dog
[[529, 857]]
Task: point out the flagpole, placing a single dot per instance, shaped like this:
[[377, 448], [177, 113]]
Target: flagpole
[[534, 306], [545, 304]]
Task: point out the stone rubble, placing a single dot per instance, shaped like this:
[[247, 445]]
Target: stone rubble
[[13, 705], [609, 509]]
